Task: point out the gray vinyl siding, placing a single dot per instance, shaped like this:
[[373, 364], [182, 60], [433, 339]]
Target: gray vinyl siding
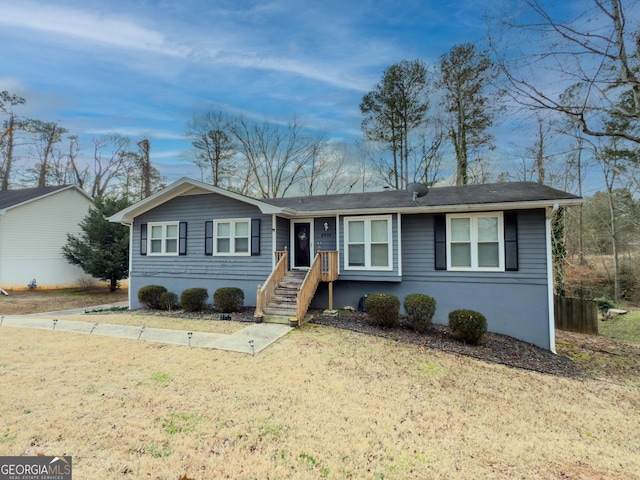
[[418, 253], [282, 233], [196, 269], [371, 275], [326, 238], [515, 303]]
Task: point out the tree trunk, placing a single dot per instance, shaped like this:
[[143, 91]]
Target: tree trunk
[[614, 248], [10, 140]]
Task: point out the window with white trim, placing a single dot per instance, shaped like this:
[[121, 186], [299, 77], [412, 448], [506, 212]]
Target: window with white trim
[[163, 238], [368, 243], [475, 241], [232, 237]]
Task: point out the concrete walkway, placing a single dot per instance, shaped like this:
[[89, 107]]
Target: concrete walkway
[[252, 339]]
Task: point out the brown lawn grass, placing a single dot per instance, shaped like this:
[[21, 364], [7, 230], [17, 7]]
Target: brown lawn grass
[[320, 403], [38, 300]]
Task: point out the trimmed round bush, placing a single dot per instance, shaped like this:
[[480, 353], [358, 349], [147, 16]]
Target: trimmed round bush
[[467, 325], [382, 309], [168, 301], [193, 299], [228, 299], [419, 309], [149, 295]]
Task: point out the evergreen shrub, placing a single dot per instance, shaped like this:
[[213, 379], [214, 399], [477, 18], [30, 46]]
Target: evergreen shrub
[[228, 299], [168, 301], [467, 325], [193, 299], [419, 309], [149, 295], [382, 309]]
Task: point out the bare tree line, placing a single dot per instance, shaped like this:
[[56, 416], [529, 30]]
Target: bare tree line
[[35, 153], [266, 159]]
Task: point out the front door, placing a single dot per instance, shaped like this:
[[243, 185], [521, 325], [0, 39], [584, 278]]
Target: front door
[[302, 243]]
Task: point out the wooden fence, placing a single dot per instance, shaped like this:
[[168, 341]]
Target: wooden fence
[[576, 315]]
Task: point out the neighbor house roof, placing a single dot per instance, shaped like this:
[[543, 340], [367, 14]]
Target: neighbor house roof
[[499, 196], [14, 198]]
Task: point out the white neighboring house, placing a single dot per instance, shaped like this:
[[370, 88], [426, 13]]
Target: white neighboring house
[[34, 223]]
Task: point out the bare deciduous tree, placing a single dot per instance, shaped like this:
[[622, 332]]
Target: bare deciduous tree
[[213, 147], [592, 56], [8, 133], [110, 162], [46, 136], [275, 155], [332, 169], [79, 174]]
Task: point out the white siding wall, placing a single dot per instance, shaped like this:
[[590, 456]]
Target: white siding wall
[[31, 239]]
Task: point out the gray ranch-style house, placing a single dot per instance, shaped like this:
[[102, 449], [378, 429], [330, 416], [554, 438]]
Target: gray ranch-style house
[[482, 247]]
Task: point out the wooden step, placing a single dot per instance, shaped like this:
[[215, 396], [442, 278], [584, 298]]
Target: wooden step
[[282, 304], [282, 319], [282, 293], [281, 312], [286, 300]]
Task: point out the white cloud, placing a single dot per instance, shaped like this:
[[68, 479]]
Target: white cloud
[[133, 132], [309, 68], [12, 85], [85, 25], [228, 44]]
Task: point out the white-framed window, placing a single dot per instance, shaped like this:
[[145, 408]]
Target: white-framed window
[[163, 238], [232, 237], [475, 241], [368, 243]]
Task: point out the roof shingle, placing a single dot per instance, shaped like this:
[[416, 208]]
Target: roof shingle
[[489, 193]]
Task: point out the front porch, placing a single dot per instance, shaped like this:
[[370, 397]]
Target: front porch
[[287, 294]]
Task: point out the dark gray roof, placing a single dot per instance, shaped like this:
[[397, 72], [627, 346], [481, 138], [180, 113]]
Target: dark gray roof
[[9, 198], [490, 193]]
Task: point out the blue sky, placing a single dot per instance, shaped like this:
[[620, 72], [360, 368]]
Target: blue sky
[[142, 68]]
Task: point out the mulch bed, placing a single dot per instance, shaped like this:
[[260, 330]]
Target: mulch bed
[[495, 348]]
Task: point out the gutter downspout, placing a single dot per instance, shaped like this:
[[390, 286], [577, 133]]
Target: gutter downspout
[[552, 317]]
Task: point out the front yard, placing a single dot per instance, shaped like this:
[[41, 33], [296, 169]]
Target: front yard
[[320, 403]]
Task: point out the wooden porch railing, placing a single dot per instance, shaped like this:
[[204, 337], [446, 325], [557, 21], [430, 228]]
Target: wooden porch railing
[[328, 266], [266, 290], [324, 268]]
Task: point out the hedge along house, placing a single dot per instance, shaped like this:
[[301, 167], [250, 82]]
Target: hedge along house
[[482, 247]]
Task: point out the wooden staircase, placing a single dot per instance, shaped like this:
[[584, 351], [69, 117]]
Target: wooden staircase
[[283, 303], [287, 294]]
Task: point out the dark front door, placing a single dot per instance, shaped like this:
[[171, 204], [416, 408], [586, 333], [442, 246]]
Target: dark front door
[[302, 245]]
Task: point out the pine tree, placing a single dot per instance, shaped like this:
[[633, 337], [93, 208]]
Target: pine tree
[[102, 249]]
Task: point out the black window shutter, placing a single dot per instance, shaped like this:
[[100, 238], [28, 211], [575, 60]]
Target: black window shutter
[[182, 239], [143, 239], [440, 241], [255, 237], [511, 241], [208, 238]]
